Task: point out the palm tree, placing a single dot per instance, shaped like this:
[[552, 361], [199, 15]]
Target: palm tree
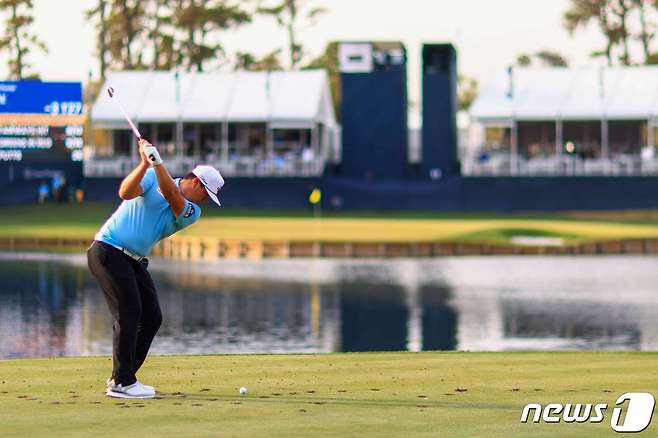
[[17, 40], [288, 14]]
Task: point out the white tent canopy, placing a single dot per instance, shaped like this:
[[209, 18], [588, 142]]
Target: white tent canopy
[[614, 93], [284, 99]]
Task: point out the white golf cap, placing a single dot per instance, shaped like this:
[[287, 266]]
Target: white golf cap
[[211, 179]]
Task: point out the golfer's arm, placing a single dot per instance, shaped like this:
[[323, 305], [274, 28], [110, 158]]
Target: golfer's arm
[[130, 188], [169, 190]]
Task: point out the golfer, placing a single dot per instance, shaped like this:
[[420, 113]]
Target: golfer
[[154, 207]]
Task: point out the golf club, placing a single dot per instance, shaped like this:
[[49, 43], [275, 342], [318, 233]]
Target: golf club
[[113, 96]]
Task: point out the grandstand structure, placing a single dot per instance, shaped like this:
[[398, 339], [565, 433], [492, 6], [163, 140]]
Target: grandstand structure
[[251, 124], [549, 138], [566, 122]]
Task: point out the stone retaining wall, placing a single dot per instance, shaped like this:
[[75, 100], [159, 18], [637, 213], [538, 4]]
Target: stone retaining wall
[[191, 248]]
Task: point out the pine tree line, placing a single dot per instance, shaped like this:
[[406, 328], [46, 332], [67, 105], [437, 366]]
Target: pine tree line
[[18, 41], [625, 24], [165, 34], [187, 34]]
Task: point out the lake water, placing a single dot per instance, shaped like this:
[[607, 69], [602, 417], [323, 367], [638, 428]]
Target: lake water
[[51, 306]]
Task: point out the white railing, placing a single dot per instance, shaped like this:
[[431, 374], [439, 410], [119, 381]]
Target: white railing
[[180, 166], [560, 165]]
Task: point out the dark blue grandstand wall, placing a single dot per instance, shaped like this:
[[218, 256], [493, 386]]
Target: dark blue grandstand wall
[[497, 194], [19, 182], [19, 192], [374, 123], [439, 144], [448, 194], [239, 192], [5, 175]]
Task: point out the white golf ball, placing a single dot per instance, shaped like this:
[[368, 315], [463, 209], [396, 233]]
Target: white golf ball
[[243, 390]]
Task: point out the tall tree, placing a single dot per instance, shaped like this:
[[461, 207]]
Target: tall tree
[[646, 33], [467, 91], [162, 34], [290, 14], [582, 12], [551, 58], [17, 39], [200, 20], [547, 57], [621, 9], [623, 23], [98, 13], [248, 62], [524, 60], [243, 61], [125, 27]]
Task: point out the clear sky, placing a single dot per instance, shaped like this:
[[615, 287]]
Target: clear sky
[[488, 34]]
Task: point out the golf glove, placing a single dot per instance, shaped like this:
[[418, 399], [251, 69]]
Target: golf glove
[[152, 155]]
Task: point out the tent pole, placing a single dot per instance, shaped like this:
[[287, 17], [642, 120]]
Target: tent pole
[[217, 144], [559, 142], [604, 118], [515, 148], [605, 153], [113, 143], [197, 141], [514, 164], [558, 137], [224, 154], [269, 139], [651, 141], [324, 142], [315, 144], [179, 139]]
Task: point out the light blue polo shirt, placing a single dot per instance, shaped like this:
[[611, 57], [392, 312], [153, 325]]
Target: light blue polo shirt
[[140, 223]]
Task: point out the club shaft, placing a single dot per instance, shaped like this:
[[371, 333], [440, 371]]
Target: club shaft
[[130, 122]]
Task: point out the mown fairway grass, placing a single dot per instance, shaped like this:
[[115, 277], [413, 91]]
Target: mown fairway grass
[[73, 221], [342, 395]]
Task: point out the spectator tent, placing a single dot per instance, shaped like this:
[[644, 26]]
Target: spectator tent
[[253, 123], [562, 120]]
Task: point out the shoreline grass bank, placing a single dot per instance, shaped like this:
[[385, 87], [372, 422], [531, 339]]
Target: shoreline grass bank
[[261, 234]]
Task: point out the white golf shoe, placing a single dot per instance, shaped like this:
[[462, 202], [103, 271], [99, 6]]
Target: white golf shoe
[[136, 390], [110, 382], [150, 388]]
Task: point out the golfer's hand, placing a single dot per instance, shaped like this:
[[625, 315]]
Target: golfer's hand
[[149, 153], [142, 154]]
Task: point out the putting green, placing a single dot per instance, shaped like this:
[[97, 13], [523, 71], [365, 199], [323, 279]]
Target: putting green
[[82, 221], [405, 230], [359, 394]]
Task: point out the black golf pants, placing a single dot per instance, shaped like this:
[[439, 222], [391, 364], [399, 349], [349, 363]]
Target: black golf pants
[[133, 302]]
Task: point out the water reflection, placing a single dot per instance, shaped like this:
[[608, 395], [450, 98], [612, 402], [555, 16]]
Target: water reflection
[[581, 324], [40, 309], [50, 305]]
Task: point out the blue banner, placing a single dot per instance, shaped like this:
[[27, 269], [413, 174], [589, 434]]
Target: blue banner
[[37, 97]]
